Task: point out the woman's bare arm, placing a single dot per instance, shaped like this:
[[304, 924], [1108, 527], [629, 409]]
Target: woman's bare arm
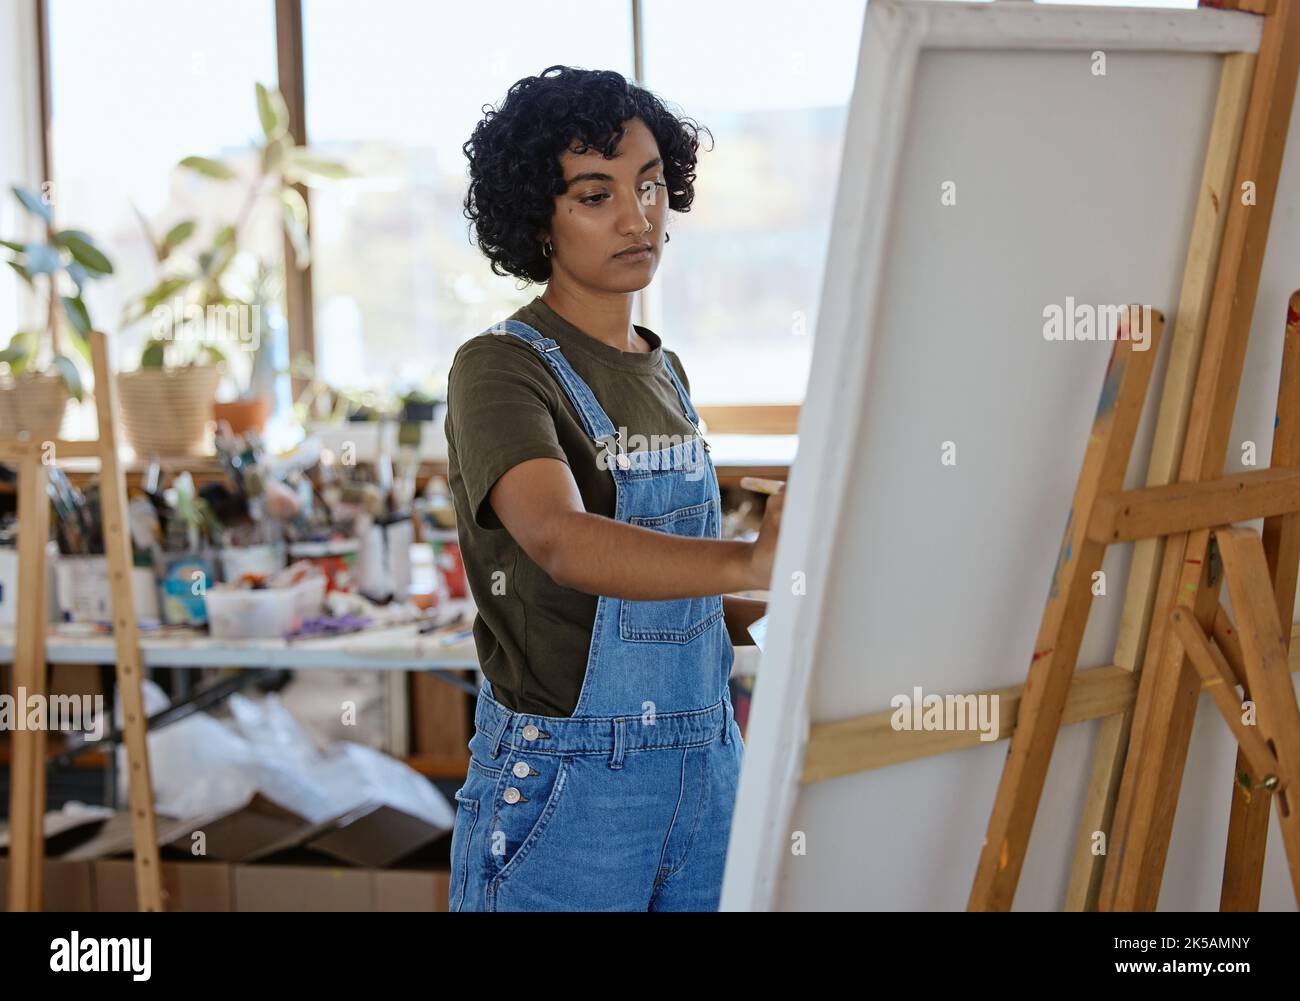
[[539, 504]]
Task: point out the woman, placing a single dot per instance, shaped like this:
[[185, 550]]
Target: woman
[[605, 755]]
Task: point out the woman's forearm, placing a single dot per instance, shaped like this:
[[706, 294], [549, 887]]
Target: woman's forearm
[[598, 555]]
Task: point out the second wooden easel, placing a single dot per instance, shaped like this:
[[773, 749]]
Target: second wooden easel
[[27, 770], [1185, 515]]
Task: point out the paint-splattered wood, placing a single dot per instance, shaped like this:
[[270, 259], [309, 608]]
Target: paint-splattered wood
[[1243, 865], [1218, 678], [1188, 336], [1264, 653], [1185, 507], [1166, 704]]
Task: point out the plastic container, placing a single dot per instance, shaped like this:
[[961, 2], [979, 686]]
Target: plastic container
[[263, 613], [247, 613], [261, 561], [310, 596]]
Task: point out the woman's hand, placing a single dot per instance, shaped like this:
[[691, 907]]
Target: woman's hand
[[764, 547]]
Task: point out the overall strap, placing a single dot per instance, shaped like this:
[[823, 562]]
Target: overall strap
[[594, 419]]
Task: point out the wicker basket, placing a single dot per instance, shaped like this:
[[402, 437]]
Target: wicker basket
[[167, 411], [33, 404]]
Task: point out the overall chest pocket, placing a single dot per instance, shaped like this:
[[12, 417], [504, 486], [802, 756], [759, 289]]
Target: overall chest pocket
[[678, 620]]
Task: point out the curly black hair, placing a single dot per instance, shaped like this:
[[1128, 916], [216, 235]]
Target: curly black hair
[[514, 168]]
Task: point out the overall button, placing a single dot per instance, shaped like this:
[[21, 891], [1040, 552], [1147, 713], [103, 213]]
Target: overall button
[[521, 769], [531, 732], [511, 795]]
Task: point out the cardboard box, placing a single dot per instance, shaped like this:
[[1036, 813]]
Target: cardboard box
[[108, 885], [303, 888], [68, 885], [95, 870], [187, 886], [254, 829], [373, 836], [398, 890]]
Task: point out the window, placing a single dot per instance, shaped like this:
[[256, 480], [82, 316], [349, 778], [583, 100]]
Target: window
[[135, 86], [398, 281], [738, 290], [394, 89]]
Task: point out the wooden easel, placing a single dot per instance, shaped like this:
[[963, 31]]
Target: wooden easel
[[27, 772], [1184, 516]]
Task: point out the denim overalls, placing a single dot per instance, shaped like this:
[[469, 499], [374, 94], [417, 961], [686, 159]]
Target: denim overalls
[[626, 804]]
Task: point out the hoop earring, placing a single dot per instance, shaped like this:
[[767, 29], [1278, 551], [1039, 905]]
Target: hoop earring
[[547, 249], [668, 237]]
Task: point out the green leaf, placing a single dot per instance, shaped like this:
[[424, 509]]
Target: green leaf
[[213, 354], [224, 249], [42, 259], [214, 169], [295, 225], [21, 350], [67, 368], [21, 345], [23, 273], [84, 251], [17, 247], [165, 289], [302, 167], [273, 112], [76, 310], [34, 204], [177, 235], [83, 347], [154, 354], [273, 153]]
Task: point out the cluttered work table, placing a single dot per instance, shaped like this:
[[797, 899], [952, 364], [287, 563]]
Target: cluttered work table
[[392, 646], [400, 646], [227, 629]]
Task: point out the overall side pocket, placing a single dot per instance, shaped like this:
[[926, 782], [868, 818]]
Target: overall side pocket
[[461, 835], [536, 784], [471, 800]]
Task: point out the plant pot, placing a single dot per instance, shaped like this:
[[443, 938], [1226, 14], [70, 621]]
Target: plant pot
[[167, 411], [243, 415], [32, 405], [419, 411]]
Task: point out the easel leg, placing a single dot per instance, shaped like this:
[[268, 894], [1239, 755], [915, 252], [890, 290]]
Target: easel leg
[[126, 636], [1264, 649], [1171, 429], [1243, 865], [1169, 690], [27, 769], [1056, 650]]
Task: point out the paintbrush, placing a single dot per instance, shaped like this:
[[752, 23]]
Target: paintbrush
[[762, 486]]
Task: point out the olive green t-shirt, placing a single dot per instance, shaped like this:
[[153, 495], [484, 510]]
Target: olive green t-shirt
[[504, 406]]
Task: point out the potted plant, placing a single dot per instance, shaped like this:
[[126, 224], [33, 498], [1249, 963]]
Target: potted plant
[[418, 405], [42, 374], [207, 305], [255, 381]]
